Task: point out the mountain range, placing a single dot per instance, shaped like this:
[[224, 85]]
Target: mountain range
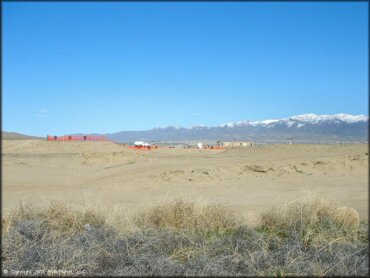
[[305, 128]]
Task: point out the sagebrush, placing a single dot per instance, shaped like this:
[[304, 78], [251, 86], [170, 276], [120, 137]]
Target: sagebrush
[[180, 237]]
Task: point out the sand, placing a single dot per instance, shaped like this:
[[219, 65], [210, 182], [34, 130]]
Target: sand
[[250, 180]]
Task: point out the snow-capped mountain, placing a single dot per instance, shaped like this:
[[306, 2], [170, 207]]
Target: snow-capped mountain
[[306, 127], [301, 120]]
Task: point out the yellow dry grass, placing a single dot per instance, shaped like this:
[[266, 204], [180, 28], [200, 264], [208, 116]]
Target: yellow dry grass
[[313, 218], [177, 234], [181, 213]]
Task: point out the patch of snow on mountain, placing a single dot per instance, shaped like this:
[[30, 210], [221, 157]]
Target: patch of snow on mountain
[[228, 125], [198, 126], [168, 127], [307, 118], [314, 119], [267, 122], [244, 123], [351, 118], [290, 123]]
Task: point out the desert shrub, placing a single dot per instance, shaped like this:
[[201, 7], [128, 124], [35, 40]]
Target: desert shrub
[[181, 238], [51, 238], [313, 220], [185, 215], [57, 216]]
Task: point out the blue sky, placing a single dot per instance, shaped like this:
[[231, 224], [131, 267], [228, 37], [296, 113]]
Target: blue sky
[[107, 67]]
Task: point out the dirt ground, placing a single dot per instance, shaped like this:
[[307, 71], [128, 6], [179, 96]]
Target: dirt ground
[[251, 180]]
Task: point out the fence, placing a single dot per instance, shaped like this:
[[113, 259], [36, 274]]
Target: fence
[[79, 138]]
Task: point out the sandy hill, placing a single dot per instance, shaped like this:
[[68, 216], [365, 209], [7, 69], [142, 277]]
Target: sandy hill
[[18, 136], [249, 180]]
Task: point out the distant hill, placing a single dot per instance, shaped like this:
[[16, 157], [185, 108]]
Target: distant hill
[[18, 136], [307, 128]]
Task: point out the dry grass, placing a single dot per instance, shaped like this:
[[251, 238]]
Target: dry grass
[[313, 219], [184, 214], [181, 237], [57, 217]]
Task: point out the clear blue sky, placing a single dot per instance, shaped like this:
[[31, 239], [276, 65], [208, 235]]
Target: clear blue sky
[[107, 67]]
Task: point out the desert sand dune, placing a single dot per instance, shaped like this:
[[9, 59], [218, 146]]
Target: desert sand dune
[[249, 180]]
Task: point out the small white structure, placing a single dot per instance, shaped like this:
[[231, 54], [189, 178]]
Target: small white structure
[[200, 145], [233, 144], [141, 143]]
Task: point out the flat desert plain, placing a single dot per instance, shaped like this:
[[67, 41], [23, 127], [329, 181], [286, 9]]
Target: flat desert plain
[[250, 180]]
